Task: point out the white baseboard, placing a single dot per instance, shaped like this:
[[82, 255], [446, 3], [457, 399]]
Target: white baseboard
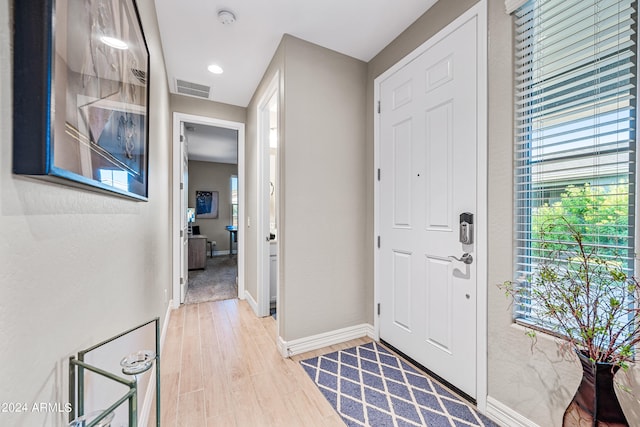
[[252, 302], [505, 416], [314, 342], [150, 393], [165, 324]]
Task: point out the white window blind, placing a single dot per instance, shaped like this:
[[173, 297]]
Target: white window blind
[[511, 5], [575, 112]]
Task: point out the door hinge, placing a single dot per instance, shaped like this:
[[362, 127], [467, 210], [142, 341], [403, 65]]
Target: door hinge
[[181, 233], [378, 107], [378, 309], [182, 185], [379, 174], [378, 242], [181, 138], [182, 283]]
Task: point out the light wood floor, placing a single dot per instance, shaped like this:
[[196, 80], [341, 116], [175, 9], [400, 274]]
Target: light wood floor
[[220, 367]]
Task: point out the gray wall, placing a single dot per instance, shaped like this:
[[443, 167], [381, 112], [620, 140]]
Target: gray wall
[[209, 176], [202, 107], [76, 266], [322, 177]]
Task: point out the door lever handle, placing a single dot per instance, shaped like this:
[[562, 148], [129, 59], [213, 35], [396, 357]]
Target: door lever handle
[[465, 258]]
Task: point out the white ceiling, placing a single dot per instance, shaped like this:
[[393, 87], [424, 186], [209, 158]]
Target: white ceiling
[[211, 144], [192, 37]]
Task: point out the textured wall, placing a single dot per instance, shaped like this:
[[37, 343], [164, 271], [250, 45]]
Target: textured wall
[[76, 266]]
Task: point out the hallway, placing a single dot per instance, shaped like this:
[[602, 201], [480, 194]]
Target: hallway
[[220, 367]]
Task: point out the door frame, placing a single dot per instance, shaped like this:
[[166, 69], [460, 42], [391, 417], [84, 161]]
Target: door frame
[[175, 186], [263, 251], [183, 205], [478, 11]]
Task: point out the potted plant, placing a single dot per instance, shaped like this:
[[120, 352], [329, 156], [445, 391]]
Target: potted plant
[[590, 303]]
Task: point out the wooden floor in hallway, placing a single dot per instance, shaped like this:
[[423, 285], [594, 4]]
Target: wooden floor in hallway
[[221, 367]]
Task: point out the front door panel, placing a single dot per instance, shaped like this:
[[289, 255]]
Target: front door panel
[[428, 154]]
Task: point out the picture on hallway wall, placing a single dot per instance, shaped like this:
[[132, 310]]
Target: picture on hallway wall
[[81, 95], [207, 204]]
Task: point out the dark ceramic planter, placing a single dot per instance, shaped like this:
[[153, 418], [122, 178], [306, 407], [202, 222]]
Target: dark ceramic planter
[[595, 403]]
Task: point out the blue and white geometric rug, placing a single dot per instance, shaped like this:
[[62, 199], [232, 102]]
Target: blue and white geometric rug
[[369, 386]]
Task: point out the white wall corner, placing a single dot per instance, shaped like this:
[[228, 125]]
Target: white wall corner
[[505, 416], [252, 302], [326, 339], [165, 324], [371, 332], [282, 347], [242, 294]]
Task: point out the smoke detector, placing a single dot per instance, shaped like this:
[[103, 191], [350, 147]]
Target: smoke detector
[[226, 17]]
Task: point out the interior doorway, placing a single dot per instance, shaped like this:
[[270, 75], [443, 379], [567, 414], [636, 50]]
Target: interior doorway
[[268, 200], [180, 187]]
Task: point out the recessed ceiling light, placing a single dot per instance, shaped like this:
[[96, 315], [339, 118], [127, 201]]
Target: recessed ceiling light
[[226, 17], [114, 42], [215, 69]]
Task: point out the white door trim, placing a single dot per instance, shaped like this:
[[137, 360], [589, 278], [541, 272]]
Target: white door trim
[[479, 10], [263, 251], [175, 185]]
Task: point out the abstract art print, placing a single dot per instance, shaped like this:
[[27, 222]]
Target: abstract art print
[[89, 74], [207, 204]]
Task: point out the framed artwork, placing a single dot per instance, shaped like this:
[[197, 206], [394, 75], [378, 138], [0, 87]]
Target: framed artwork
[[207, 204], [81, 95]]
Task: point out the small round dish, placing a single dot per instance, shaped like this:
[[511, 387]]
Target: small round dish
[[84, 420], [137, 362]]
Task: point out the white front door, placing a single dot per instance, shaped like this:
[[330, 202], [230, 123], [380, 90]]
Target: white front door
[[428, 153]]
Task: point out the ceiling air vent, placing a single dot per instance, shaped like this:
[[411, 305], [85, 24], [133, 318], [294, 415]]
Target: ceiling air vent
[[192, 89]]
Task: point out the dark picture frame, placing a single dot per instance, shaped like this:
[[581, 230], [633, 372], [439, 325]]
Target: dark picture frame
[[207, 203], [81, 94]]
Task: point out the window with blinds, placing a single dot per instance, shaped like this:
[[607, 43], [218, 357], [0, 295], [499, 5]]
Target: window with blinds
[[234, 200], [575, 112]]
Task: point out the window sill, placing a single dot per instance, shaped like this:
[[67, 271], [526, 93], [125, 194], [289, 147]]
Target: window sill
[[524, 325]]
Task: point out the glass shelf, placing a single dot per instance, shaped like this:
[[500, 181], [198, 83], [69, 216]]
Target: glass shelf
[[138, 362], [89, 418]]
